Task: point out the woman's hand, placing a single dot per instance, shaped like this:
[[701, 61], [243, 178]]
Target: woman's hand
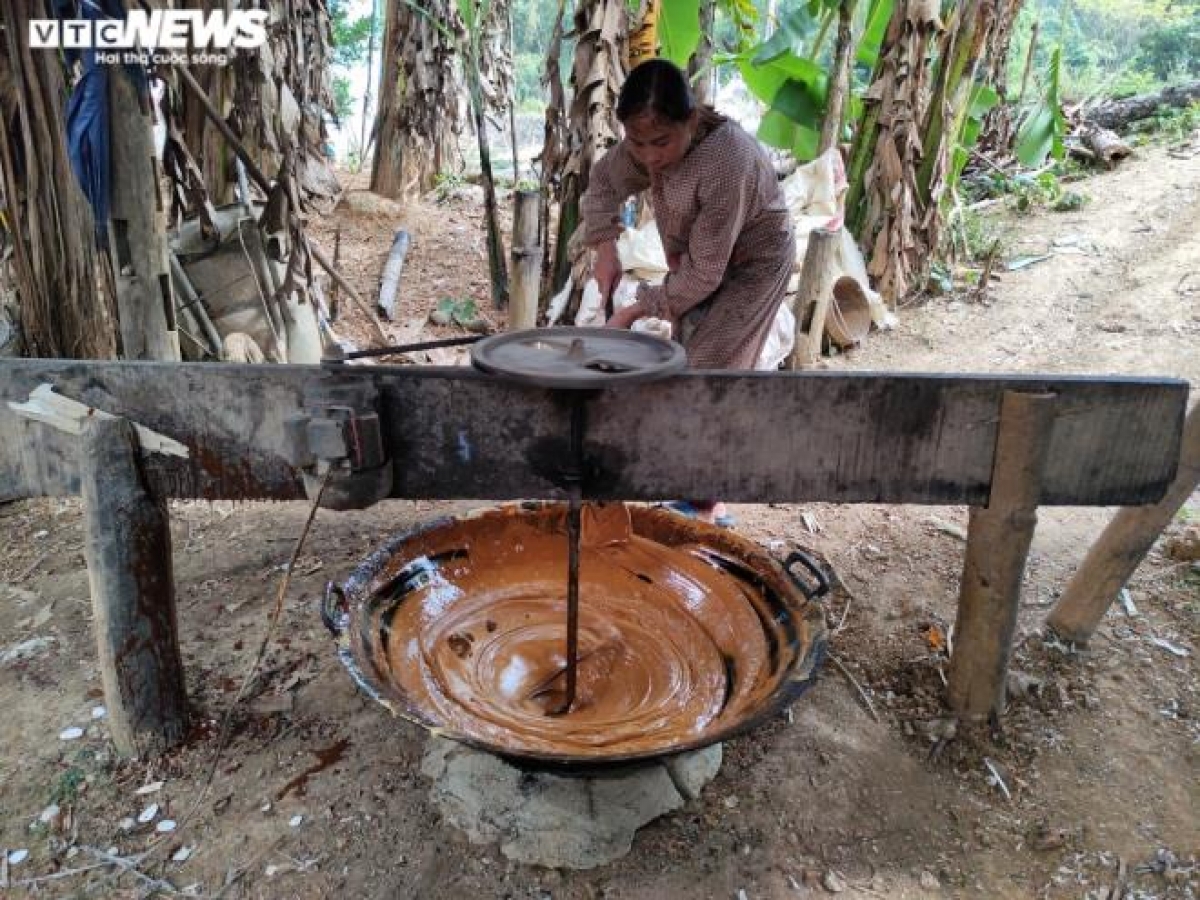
[[607, 269], [626, 316]]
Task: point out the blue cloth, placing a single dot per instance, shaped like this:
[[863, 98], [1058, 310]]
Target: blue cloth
[[88, 118]]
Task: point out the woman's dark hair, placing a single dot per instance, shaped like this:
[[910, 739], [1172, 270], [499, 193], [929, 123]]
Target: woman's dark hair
[[658, 86]]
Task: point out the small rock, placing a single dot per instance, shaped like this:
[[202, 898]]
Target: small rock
[[70, 734], [295, 821], [99, 712], [126, 824], [731, 802], [16, 857], [148, 814], [166, 826], [833, 882], [49, 814], [929, 881], [182, 854], [152, 788], [25, 650], [1185, 547]]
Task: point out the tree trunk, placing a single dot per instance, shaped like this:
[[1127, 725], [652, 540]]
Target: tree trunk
[[1119, 113], [419, 114], [839, 84], [998, 132], [63, 284], [597, 75], [700, 72], [137, 230], [882, 206], [555, 147]]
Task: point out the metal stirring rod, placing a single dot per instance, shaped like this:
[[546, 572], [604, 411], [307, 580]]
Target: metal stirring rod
[[574, 480]]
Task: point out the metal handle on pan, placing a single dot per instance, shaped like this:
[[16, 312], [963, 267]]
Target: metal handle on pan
[[335, 609], [814, 569]]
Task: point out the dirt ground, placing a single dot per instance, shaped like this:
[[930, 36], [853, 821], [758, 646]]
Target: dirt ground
[[1089, 791]]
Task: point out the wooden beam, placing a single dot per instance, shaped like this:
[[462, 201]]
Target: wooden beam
[[454, 432], [1122, 546], [137, 232], [998, 539], [128, 551]]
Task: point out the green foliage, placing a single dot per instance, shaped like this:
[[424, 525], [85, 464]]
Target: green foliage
[[445, 184], [878, 15], [1172, 50], [350, 36], [981, 236], [983, 98], [1110, 47], [1168, 124], [457, 309], [1042, 131], [679, 30], [742, 16], [343, 103], [795, 90], [65, 791]]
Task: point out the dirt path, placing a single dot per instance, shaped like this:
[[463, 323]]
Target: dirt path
[[1099, 752]]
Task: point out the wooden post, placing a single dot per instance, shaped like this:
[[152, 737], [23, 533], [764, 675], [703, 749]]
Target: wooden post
[[137, 231], [1122, 546], [816, 287], [998, 539], [128, 551], [526, 261]]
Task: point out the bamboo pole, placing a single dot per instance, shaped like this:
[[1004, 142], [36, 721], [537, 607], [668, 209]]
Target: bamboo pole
[[1122, 546], [998, 539], [128, 552], [526, 261], [816, 288]]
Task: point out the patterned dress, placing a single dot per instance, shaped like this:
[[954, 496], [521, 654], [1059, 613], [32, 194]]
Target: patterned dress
[[726, 232]]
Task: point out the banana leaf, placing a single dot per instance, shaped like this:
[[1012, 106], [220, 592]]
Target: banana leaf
[[1042, 131]]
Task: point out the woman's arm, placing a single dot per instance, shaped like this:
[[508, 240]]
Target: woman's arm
[[612, 180], [724, 204]]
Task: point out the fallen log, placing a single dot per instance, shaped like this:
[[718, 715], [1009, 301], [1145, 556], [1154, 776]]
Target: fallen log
[[389, 283], [1106, 146], [1119, 113]]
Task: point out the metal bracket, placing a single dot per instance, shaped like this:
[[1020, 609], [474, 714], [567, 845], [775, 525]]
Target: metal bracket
[[340, 429]]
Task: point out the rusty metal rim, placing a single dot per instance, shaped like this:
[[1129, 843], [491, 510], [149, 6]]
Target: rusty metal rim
[[340, 617]]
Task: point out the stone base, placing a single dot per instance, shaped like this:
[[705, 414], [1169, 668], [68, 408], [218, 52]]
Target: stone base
[[559, 821]]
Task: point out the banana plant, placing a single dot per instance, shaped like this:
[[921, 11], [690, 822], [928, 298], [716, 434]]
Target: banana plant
[[1041, 133]]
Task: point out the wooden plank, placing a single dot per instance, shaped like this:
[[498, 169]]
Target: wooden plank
[[745, 437]]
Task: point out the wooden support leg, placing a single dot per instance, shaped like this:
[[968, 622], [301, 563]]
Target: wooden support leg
[[128, 550], [1123, 545], [998, 541]]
